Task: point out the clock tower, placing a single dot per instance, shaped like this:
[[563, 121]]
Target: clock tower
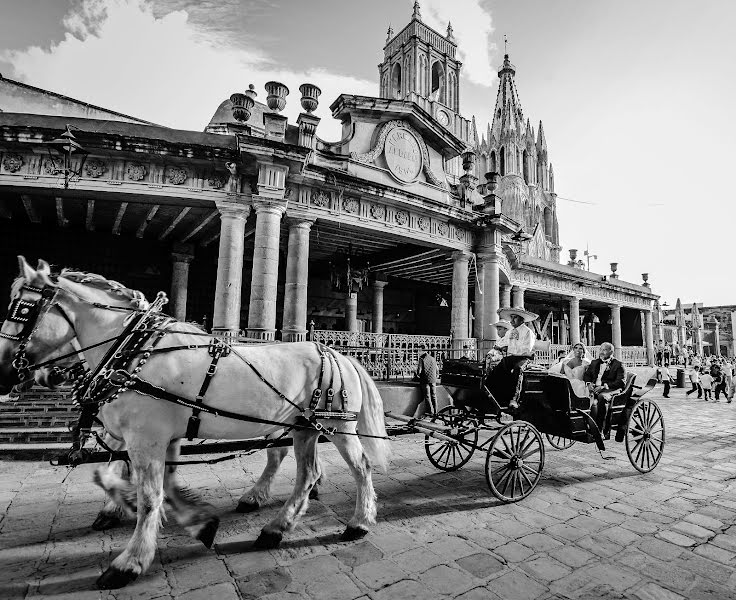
[[420, 66]]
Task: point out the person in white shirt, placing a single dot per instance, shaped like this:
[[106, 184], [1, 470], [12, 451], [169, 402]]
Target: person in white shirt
[[503, 382]]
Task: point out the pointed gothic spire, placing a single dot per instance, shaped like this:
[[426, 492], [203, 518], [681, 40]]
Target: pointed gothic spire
[[541, 142], [389, 34], [417, 14], [475, 133], [450, 33]]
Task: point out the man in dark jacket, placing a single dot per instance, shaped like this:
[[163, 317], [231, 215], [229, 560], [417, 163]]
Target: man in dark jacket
[[605, 376], [428, 372]]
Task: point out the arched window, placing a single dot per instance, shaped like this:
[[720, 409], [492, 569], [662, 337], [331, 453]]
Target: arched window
[[384, 86], [525, 166], [451, 90], [494, 165], [540, 171], [407, 75], [438, 82], [396, 81], [502, 161], [518, 161], [548, 224]]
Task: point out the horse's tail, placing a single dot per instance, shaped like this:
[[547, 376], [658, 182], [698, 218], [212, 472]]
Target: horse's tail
[[371, 421]]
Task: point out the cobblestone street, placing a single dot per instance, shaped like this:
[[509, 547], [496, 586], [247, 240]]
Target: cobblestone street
[[592, 528]]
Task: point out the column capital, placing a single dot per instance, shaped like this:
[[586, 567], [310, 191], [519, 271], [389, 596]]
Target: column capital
[[614, 306], [519, 287], [178, 257], [233, 210], [295, 222], [461, 255], [488, 256], [575, 299], [263, 204], [380, 284], [182, 253]]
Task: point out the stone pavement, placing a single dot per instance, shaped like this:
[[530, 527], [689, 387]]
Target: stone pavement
[[591, 529]]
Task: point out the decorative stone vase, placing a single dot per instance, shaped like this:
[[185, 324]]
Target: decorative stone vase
[[614, 268], [243, 104], [645, 278], [573, 255], [468, 160], [310, 96], [277, 93], [492, 182]]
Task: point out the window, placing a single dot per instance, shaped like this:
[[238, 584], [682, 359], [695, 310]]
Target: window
[[451, 90], [438, 82], [502, 160], [525, 166], [396, 81], [548, 224], [494, 166]]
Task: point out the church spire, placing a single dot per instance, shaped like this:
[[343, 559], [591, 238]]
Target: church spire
[[450, 32], [417, 14]]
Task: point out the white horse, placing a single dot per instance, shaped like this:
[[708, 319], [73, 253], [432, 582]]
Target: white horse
[[150, 427]]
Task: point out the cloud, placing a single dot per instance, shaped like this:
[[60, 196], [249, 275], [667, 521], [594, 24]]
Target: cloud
[[473, 27], [121, 55]]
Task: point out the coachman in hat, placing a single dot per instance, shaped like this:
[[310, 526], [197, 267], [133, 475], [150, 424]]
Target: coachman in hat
[[504, 380]]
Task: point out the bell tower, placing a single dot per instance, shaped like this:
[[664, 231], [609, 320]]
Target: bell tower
[[420, 65]]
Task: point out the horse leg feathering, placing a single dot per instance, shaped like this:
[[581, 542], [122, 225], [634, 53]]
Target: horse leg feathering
[[259, 494]]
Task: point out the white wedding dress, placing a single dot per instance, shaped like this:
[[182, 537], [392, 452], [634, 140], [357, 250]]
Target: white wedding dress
[[575, 375]]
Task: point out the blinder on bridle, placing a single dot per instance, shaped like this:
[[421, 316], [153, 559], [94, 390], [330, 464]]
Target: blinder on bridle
[[27, 313]]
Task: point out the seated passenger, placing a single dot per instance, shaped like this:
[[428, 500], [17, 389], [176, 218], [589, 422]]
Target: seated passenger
[[573, 367], [494, 355], [503, 381], [606, 376]]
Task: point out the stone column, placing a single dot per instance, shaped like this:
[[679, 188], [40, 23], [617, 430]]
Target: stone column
[[262, 309], [479, 313], [574, 320], [717, 338], [351, 311], [616, 329], [181, 258], [226, 314], [517, 298], [294, 324], [459, 313], [505, 295], [491, 300], [649, 336], [378, 305]]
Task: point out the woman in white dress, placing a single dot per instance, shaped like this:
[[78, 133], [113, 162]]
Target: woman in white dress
[[573, 367]]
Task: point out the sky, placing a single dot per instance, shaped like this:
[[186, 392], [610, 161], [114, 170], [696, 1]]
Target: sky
[[637, 97]]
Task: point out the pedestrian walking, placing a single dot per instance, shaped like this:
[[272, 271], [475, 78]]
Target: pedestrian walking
[[706, 382], [428, 372], [695, 381], [666, 379]]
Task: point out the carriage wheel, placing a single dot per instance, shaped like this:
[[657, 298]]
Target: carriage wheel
[[450, 456], [645, 436], [515, 461], [558, 442]]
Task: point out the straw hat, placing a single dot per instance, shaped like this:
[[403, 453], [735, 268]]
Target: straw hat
[[504, 323], [505, 313]]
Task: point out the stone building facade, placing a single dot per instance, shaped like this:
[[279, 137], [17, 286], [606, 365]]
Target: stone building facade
[[262, 230]]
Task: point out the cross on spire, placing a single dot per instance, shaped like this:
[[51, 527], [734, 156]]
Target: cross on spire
[[505, 45]]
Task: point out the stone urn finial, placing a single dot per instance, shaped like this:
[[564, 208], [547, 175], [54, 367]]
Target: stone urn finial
[[310, 96], [573, 255], [645, 278], [243, 104], [614, 268], [277, 93], [491, 182], [468, 160]]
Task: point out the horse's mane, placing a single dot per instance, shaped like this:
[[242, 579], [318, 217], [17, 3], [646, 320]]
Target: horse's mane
[[138, 299]]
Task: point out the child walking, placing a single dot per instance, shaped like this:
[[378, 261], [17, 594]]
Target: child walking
[[695, 381], [706, 382]]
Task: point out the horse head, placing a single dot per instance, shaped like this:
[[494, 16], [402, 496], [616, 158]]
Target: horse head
[[35, 327]]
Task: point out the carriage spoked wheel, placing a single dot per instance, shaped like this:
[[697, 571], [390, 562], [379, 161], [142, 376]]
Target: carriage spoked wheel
[[645, 436], [515, 461], [559, 443], [450, 456]]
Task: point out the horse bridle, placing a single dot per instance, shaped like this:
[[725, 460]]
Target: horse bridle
[[30, 315]]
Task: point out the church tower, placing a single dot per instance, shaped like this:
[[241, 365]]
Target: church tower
[[420, 65], [511, 148]]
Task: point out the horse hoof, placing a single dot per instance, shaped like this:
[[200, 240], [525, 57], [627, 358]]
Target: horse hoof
[[114, 579], [246, 507], [268, 540], [207, 534], [314, 494], [353, 533], [104, 522]]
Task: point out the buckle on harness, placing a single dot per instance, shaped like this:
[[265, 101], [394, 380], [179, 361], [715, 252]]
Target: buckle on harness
[[212, 369], [317, 393]]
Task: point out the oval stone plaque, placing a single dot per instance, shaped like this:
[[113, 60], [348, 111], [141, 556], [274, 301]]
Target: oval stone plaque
[[403, 155]]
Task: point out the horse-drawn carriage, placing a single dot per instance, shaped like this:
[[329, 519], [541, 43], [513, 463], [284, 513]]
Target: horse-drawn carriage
[[513, 443]]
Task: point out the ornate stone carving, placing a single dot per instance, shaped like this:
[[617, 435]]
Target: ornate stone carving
[[423, 223], [136, 171], [177, 175], [378, 211], [217, 181], [13, 162], [443, 228], [320, 198], [50, 167], [95, 168], [370, 156], [351, 205], [402, 217], [459, 234], [287, 192]]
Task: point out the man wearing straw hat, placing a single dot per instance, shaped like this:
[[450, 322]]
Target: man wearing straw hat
[[494, 355], [504, 380]]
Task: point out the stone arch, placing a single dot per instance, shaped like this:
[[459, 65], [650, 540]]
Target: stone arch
[[437, 91], [396, 80]]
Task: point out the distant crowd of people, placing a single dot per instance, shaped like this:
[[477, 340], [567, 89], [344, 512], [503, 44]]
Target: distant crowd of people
[[708, 376]]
